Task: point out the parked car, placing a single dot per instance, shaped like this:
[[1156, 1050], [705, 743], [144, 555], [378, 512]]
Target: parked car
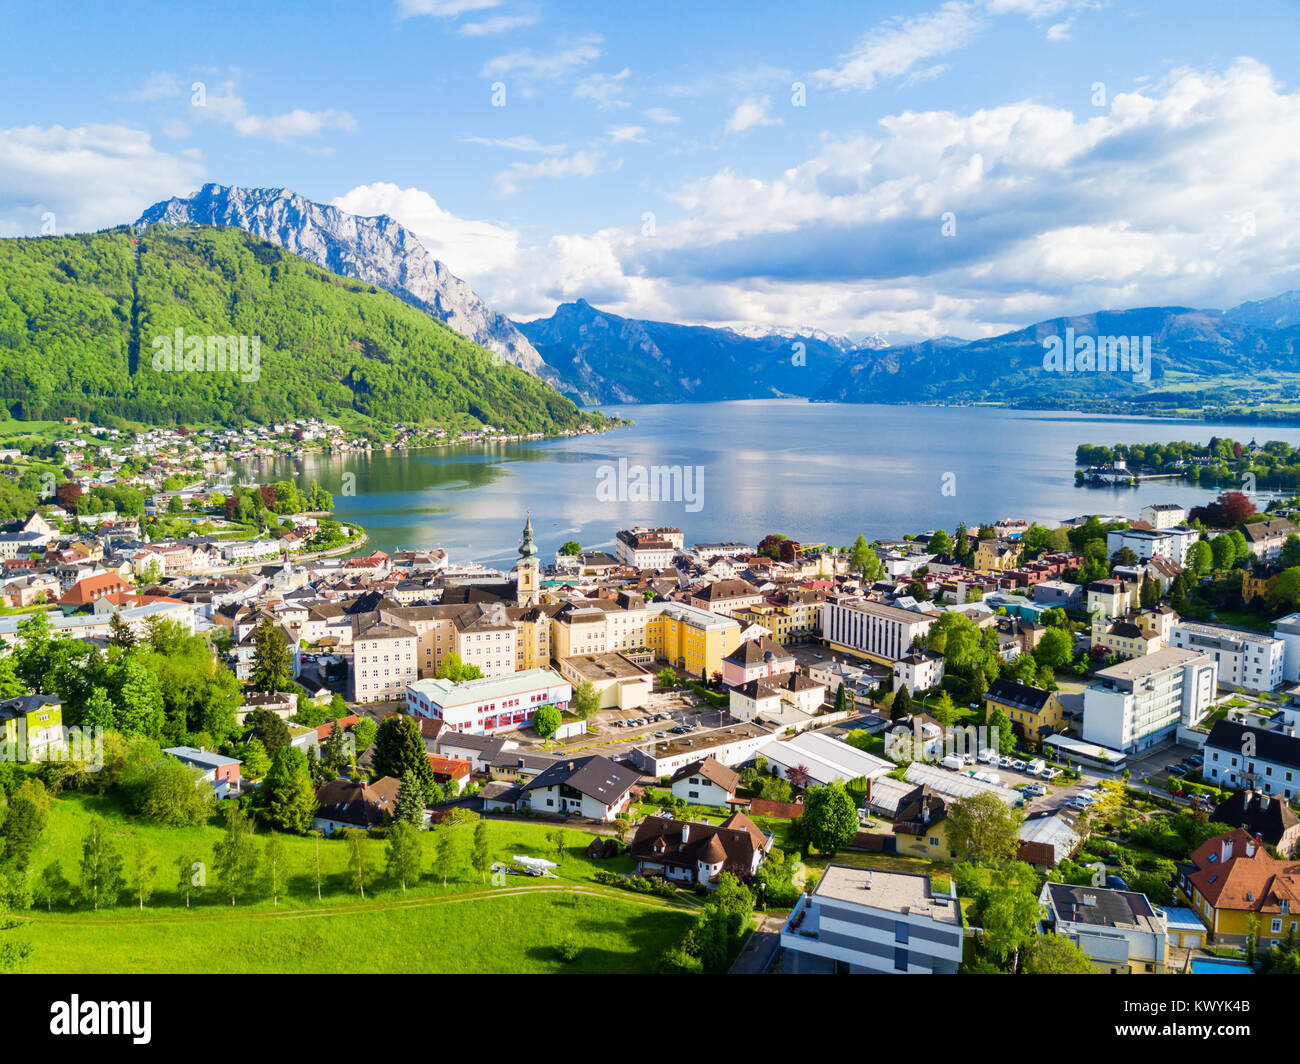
[[1051, 773], [968, 759], [1034, 790], [1018, 765], [1005, 761]]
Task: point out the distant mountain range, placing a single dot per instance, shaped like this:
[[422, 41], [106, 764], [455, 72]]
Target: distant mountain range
[[1199, 357]]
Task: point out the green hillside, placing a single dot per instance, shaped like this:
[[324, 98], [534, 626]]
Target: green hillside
[[80, 317]]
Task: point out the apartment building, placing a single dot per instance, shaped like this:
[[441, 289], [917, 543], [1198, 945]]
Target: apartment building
[[648, 548], [1162, 515], [872, 629], [384, 662], [860, 920], [1265, 538], [1246, 659], [1266, 761], [1140, 703]]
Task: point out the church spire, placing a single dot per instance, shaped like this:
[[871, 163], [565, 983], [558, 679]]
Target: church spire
[[527, 548]]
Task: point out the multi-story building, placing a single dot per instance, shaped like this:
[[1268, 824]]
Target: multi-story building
[[1111, 598], [490, 704], [31, 727], [726, 596], [1241, 755], [1125, 637], [384, 662], [790, 616], [1232, 881], [1034, 713], [648, 548], [755, 659], [860, 920], [994, 555], [919, 669], [1140, 703], [872, 629], [1120, 931], [1246, 659], [1162, 515], [1287, 629], [1265, 538]]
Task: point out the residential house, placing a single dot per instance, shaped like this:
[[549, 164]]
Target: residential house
[[706, 782], [1120, 931], [1261, 816], [1034, 713], [220, 772], [355, 804], [1260, 759], [594, 787], [687, 852], [1231, 880]]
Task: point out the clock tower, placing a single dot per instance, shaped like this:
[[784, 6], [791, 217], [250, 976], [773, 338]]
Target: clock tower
[[528, 570]]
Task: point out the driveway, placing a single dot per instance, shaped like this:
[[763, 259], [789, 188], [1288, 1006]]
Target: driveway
[[760, 951]]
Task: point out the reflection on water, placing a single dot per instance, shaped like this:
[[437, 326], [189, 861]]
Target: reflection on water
[[816, 472]]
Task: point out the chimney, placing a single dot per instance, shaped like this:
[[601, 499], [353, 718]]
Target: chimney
[[686, 832], [1250, 848], [1225, 851]]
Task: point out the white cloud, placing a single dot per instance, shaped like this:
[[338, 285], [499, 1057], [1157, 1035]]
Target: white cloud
[[899, 44], [528, 65], [160, 86], [471, 248], [626, 134], [528, 144], [605, 89], [498, 24], [661, 116], [580, 164], [293, 124], [442, 8], [90, 177], [749, 114], [1060, 31]]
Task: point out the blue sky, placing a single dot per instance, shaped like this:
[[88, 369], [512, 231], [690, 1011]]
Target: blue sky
[[650, 156]]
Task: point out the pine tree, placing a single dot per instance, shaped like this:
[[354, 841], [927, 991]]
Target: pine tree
[[410, 801], [271, 667], [405, 853]]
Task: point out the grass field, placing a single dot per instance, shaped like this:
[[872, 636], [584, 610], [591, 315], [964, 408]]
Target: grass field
[[465, 926]]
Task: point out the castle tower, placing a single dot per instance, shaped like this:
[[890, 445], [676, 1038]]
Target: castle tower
[[528, 570]]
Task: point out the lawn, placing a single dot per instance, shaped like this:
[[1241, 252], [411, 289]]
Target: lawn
[[459, 934], [511, 924]]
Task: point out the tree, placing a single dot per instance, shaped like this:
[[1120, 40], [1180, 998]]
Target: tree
[[556, 839], [1286, 592], [863, 560], [1055, 649], [830, 817], [1056, 955], [940, 543], [51, 885], [272, 670], [1011, 911], [481, 855], [1223, 552], [364, 732], [1150, 593], [399, 749], [189, 874], [275, 862], [271, 730], [902, 704], [1200, 558], [411, 797], [984, 828], [120, 633], [101, 866], [235, 857], [446, 856], [943, 710], [998, 721], [290, 797], [24, 823], [666, 678], [317, 867], [1290, 555], [586, 700], [175, 795], [453, 668], [571, 548], [405, 853], [359, 873], [546, 721], [144, 867]]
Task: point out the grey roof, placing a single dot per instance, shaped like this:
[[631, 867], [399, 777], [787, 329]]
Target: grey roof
[[597, 777]]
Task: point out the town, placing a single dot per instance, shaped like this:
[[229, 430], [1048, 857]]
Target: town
[[998, 748]]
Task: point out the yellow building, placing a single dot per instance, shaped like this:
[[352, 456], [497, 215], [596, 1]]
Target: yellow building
[[31, 727], [689, 638], [1234, 881], [994, 555], [1257, 583], [1034, 713], [921, 826], [1126, 637]]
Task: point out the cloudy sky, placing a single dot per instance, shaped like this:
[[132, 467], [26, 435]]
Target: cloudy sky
[[932, 168]]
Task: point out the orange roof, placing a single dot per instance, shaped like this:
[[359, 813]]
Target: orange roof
[[1235, 871], [89, 588], [454, 767]]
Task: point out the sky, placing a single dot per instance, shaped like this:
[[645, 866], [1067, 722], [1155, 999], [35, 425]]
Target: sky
[[909, 170]]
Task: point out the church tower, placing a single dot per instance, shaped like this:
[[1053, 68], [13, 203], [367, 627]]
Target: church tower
[[528, 571]]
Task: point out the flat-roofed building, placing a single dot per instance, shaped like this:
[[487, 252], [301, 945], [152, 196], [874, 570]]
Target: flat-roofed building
[[490, 704], [861, 920], [1142, 702], [620, 681], [872, 629], [1253, 660]]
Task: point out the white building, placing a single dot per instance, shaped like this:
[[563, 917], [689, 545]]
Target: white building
[[593, 787], [1163, 515], [873, 629], [1172, 543], [1141, 702], [1287, 629], [918, 670], [491, 704], [384, 661], [1263, 760], [859, 920], [1246, 659], [1119, 930], [648, 548]]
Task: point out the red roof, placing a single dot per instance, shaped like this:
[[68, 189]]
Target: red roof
[[454, 767], [89, 588], [324, 731]]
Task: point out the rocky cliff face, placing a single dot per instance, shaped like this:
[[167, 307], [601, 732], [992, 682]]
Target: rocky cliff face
[[376, 250]]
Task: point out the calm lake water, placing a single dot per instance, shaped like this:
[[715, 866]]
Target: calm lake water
[[816, 472]]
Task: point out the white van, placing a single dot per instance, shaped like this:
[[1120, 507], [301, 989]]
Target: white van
[[953, 762], [1035, 768]]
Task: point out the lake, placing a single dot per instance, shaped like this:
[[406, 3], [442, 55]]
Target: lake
[[816, 472]]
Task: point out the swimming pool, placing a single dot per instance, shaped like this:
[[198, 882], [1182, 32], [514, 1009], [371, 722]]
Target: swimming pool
[[1218, 966]]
